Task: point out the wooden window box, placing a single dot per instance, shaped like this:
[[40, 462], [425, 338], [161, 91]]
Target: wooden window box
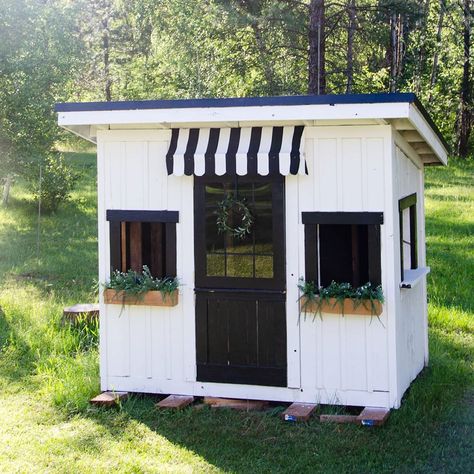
[[350, 306], [150, 298]]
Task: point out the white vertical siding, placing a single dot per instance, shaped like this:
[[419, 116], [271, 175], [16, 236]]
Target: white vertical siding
[[336, 359], [147, 346], [412, 316], [343, 354]]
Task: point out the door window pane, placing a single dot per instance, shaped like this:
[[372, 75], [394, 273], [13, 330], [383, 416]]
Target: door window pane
[[215, 264], [228, 255], [263, 266], [240, 266]]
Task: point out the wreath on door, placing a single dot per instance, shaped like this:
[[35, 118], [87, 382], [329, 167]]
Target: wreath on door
[[233, 205]]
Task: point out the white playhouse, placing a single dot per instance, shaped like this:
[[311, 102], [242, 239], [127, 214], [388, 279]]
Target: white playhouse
[[239, 199]]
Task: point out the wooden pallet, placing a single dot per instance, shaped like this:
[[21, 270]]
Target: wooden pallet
[[236, 404], [176, 402], [299, 411], [367, 417], [373, 416], [109, 399], [339, 419]]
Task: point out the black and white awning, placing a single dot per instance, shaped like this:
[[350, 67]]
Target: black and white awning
[[247, 150]]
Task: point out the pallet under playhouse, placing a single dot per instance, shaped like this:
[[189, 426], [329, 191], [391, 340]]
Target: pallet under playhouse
[[242, 200]]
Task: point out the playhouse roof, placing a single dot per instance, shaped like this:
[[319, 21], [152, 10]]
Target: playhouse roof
[[403, 110]]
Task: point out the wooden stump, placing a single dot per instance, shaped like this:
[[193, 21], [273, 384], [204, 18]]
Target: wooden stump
[[87, 311]]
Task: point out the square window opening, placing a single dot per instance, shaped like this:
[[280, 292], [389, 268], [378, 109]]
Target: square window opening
[[343, 254], [135, 243], [342, 247], [408, 234]]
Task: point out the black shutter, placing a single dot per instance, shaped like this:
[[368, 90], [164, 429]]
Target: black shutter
[[311, 253], [374, 250], [115, 246]]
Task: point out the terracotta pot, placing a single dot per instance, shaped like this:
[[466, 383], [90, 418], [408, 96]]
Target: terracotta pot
[[150, 298], [350, 306]]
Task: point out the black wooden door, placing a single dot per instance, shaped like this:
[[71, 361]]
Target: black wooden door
[[240, 283]]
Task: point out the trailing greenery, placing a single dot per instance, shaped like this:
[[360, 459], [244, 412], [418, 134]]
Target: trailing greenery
[[366, 295], [49, 371], [231, 205], [138, 283]]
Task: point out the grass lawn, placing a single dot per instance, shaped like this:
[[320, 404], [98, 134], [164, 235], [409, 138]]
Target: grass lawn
[[48, 372]]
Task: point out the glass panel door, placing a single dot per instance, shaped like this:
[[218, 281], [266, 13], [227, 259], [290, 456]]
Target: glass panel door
[[254, 260]]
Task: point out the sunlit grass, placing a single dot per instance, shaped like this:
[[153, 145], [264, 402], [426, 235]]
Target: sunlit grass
[[48, 371]]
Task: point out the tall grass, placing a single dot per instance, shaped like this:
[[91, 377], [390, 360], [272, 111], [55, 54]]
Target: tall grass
[[49, 370], [60, 360]]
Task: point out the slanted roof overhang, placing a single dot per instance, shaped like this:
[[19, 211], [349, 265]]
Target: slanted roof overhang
[[403, 110]]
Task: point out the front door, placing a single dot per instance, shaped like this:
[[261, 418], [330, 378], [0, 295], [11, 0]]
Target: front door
[[240, 281]]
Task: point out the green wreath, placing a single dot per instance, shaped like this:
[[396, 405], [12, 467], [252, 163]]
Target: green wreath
[[224, 208]]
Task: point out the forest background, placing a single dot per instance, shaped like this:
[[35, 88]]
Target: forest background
[[88, 50]]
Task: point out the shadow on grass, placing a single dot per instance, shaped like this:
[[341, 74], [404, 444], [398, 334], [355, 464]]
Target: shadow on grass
[[261, 442], [16, 357]]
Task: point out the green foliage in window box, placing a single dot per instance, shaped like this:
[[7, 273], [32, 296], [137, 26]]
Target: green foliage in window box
[[138, 283], [315, 299]]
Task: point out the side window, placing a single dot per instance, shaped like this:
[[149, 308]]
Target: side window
[[139, 238], [408, 234], [343, 247]]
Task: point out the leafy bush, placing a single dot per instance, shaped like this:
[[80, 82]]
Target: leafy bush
[[57, 182]]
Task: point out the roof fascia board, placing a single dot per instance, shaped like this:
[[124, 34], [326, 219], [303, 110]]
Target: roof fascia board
[[420, 123], [268, 114]]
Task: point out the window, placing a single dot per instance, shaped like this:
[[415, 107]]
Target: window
[[140, 238], [255, 260], [408, 234], [343, 247], [252, 256]]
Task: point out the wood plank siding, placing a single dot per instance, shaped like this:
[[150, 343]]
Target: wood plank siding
[[333, 359]]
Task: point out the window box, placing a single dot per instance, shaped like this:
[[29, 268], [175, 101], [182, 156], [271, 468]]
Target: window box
[[350, 306], [150, 298]]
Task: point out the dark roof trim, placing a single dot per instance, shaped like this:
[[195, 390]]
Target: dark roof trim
[[361, 218], [142, 216], [330, 99]]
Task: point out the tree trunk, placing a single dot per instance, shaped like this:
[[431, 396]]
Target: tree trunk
[[396, 50], [392, 53], [434, 67], [264, 57], [351, 28], [106, 58], [317, 48], [6, 189], [466, 96], [421, 26]]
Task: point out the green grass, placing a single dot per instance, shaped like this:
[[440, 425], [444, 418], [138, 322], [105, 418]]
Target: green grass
[[49, 371]]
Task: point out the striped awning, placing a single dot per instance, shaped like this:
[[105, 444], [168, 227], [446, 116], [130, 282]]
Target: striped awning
[[236, 151]]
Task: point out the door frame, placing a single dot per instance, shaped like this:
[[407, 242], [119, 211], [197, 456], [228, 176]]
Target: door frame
[[211, 288]]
